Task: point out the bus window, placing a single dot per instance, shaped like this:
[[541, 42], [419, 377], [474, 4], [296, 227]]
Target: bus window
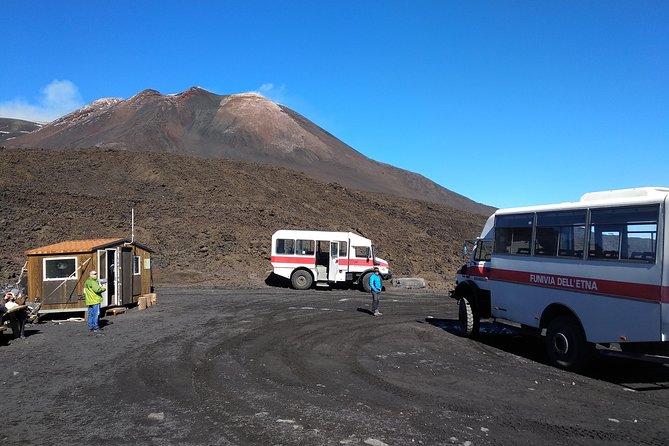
[[285, 246], [604, 242], [560, 233], [342, 249], [546, 243], [361, 251], [483, 250], [513, 234], [305, 247], [572, 241], [627, 233], [641, 242]]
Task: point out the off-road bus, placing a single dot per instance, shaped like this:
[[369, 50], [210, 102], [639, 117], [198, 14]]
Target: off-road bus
[[582, 274], [324, 258]]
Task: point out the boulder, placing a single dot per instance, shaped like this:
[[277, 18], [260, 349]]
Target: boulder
[[409, 282]]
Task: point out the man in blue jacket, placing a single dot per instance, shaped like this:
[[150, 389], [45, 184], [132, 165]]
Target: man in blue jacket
[[375, 286]]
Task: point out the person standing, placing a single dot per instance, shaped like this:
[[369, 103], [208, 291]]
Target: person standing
[[375, 287], [93, 293]]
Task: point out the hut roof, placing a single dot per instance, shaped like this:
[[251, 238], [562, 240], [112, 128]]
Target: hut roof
[[78, 246]]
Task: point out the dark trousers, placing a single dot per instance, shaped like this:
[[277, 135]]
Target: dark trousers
[[375, 300], [17, 321]]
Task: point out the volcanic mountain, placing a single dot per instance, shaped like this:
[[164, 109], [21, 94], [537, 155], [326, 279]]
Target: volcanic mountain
[[12, 128], [245, 127], [210, 221]]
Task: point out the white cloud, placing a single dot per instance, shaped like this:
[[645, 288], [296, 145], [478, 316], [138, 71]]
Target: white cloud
[[272, 92], [265, 87], [57, 99]]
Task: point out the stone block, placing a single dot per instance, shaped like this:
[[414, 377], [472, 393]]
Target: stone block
[[409, 282]]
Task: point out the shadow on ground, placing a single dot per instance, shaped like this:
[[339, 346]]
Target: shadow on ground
[[366, 311], [629, 373], [274, 280]]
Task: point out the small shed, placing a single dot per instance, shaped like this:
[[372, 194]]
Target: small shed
[[57, 273]]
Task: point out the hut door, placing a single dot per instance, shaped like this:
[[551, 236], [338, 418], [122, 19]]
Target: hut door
[[103, 276], [108, 266], [126, 275]]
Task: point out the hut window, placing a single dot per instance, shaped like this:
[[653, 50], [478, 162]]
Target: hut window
[[135, 265], [60, 268]]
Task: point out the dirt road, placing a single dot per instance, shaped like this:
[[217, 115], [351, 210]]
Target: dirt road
[[277, 366]]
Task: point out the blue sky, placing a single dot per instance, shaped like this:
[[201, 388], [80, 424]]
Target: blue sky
[[509, 103]]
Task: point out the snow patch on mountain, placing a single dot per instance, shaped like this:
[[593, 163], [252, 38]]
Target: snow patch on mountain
[[87, 111]]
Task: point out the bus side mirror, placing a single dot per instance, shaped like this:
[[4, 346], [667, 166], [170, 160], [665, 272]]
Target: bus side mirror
[[464, 252]]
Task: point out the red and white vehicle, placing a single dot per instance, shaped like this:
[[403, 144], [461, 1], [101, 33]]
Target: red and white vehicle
[[585, 273], [322, 257]]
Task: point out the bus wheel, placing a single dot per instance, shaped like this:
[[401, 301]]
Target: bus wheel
[[469, 323], [301, 280], [365, 283], [566, 345]]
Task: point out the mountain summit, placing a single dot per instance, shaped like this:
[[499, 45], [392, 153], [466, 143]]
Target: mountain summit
[[243, 126]]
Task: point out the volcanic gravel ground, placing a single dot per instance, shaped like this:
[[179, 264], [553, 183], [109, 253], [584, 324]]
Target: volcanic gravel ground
[[277, 366]]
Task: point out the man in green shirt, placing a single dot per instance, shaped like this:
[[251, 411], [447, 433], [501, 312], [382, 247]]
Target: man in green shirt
[[93, 293]]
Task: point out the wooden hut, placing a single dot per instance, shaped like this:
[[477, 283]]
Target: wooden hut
[[56, 273]]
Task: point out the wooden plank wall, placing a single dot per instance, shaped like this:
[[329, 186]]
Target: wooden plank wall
[[145, 276], [36, 273]]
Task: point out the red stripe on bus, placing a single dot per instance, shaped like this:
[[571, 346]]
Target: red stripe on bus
[[359, 262], [665, 294], [310, 260], [642, 291], [478, 271]]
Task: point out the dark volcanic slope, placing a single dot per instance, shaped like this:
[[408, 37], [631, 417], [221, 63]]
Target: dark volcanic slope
[[209, 221], [243, 126], [12, 128]]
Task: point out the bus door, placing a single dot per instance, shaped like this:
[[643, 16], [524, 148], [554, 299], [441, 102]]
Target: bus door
[[333, 267]]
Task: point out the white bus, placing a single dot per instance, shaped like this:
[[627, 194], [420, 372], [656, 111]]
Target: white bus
[[580, 274], [323, 258]]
